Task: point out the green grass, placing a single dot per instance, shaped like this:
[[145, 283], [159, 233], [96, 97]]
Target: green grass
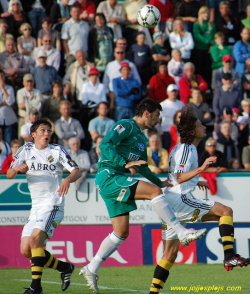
[[126, 280]]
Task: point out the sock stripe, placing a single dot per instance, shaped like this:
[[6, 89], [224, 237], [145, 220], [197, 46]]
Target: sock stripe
[[226, 220], [154, 290], [159, 282], [36, 269], [55, 264], [165, 264], [228, 247], [227, 239], [37, 252], [36, 277], [49, 261]]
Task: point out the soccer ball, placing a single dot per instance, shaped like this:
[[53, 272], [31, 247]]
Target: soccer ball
[[148, 16]]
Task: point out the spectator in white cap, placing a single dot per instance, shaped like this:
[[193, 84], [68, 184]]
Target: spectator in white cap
[[169, 108]]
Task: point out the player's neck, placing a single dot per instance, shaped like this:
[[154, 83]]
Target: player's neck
[[140, 122], [196, 142]]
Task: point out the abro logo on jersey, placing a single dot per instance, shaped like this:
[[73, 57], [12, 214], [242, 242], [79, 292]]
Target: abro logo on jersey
[[42, 166]]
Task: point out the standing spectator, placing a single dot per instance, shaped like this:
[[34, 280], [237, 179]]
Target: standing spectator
[[87, 9], [114, 14], [4, 148], [67, 127], [169, 108], [60, 12], [100, 42], [81, 157], [100, 125], [47, 30], [203, 32], [225, 96], [246, 21], [176, 66], [214, 8], [246, 80], [44, 75], [7, 114], [158, 83], [126, 90], [14, 145], [25, 129], [53, 55], [181, 39], [51, 105], [95, 154], [241, 50], [75, 34], [122, 45], [246, 155], [175, 137], [191, 80], [188, 11], [157, 156], [3, 34]]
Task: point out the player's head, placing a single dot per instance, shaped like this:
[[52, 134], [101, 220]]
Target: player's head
[[190, 128], [41, 131]]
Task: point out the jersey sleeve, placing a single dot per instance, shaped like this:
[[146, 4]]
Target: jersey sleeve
[[19, 158], [66, 160], [146, 172], [183, 159]]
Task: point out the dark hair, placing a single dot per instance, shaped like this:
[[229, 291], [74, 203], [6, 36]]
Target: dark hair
[[147, 104], [74, 6], [160, 63], [47, 19], [175, 117], [2, 72], [231, 161], [187, 125], [196, 89], [103, 102], [15, 141], [100, 14], [58, 83], [38, 123], [227, 76]]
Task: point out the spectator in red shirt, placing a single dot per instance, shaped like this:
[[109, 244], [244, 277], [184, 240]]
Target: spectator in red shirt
[[158, 83], [15, 145], [191, 80], [87, 9]]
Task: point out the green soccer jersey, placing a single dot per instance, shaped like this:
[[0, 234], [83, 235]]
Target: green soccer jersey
[[126, 142]]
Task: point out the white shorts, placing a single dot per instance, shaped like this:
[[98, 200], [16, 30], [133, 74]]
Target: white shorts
[[187, 209], [45, 218]]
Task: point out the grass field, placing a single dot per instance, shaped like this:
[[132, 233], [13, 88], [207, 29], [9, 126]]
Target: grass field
[[126, 280]]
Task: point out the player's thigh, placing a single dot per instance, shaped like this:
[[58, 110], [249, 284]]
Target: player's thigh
[[25, 247], [148, 191], [121, 225], [38, 238], [216, 212], [171, 248]]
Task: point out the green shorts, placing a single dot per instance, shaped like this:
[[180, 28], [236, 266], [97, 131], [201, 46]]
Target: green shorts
[[114, 187]]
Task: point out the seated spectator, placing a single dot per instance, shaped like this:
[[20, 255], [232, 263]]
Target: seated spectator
[[227, 24], [210, 150], [227, 62], [3, 34], [14, 145], [67, 127], [126, 90], [158, 83], [74, 35], [191, 80], [199, 108], [246, 155], [176, 66], [188, 11], [26, 43], [169, 108], [53, 55], [76, 76], [157, 156], [59, 11], [140, 55], [95, 154], [47, 30], [7, 114], [225, 144], [246, 21], [218, 51], [51, 105], [87, 9], [225, 96], [93, 91], [234, 163], [44, 75], [13, 63], [245, 81], [100, 125], [181, 39], [4, 149], [241, 50], [114, 14], [81, 157], [25, 129], [158, 51], [28, 97], [100, 42], [175, 137]]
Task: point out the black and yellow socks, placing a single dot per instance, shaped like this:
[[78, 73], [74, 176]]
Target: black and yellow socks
[[226, 229]]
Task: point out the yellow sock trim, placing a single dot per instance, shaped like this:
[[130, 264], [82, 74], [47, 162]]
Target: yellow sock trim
[[153, 289], [35, 277], [226, 220], [49, 261], [228, 247], [227, 238], [37, 252], [158, 282], [165, 264], [55, 264], [36, 269]]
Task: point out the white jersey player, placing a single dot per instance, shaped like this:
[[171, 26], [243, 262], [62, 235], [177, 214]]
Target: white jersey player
[[43, 164]]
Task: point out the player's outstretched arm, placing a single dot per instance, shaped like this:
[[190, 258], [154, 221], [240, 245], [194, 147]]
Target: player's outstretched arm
[[64, 187], [134, 164], [12, 172]]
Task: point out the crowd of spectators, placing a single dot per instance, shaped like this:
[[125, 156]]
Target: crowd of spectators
[[86, 64]]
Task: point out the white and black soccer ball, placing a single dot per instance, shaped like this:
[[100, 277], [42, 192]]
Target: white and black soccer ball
[[148, 16]]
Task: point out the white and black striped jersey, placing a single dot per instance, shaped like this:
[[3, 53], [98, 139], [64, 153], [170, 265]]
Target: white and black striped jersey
[[183, 158], [45, 172]]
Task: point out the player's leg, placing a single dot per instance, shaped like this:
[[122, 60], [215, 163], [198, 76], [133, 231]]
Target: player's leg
[[224, 215]]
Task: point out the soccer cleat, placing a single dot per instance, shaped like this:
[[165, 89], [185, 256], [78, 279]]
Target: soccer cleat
[[236, 260], [192, 235], [65, 276], [31, 291], [90, 278]]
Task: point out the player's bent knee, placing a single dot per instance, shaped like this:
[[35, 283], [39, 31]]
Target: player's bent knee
[[25, 252], [228, 211], [157, 191]]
